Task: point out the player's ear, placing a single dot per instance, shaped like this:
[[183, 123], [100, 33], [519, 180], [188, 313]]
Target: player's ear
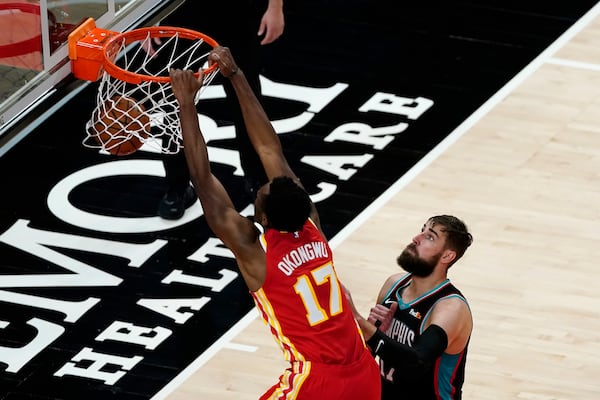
[[448, 256], [264, 221]]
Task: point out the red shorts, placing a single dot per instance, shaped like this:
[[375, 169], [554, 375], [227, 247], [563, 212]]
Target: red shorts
[[312, 381]]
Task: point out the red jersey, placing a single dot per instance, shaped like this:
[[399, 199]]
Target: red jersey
[[303, 302]]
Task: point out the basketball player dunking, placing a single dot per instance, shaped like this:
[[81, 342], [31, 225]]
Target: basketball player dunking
[[287, 265]]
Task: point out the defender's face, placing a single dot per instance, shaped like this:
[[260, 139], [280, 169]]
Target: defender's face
[[430, 242], [422, 255]]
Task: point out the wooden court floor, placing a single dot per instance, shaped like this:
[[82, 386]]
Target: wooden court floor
[[524, 173]]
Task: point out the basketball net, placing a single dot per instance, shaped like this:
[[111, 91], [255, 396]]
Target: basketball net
[[134, 66]]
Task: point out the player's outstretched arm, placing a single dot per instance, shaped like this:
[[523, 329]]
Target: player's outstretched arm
[[260, 130], [219, 211]]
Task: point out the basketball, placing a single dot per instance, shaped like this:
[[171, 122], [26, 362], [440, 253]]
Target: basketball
[[120, 124]]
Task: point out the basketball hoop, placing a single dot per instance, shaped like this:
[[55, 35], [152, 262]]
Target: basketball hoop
[[135, 65]]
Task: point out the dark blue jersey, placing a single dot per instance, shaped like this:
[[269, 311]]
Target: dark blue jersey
[[445, 378]]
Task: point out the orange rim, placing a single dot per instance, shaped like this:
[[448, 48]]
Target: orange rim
[[114, 44]]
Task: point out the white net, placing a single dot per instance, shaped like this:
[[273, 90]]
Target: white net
[[130, 112]]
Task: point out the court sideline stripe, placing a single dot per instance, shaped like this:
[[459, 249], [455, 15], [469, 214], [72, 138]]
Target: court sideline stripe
[[574, 64], [544, 57]]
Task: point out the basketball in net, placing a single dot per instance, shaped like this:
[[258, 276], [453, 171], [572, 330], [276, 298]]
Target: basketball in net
[[134, 87], [120, 125]]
